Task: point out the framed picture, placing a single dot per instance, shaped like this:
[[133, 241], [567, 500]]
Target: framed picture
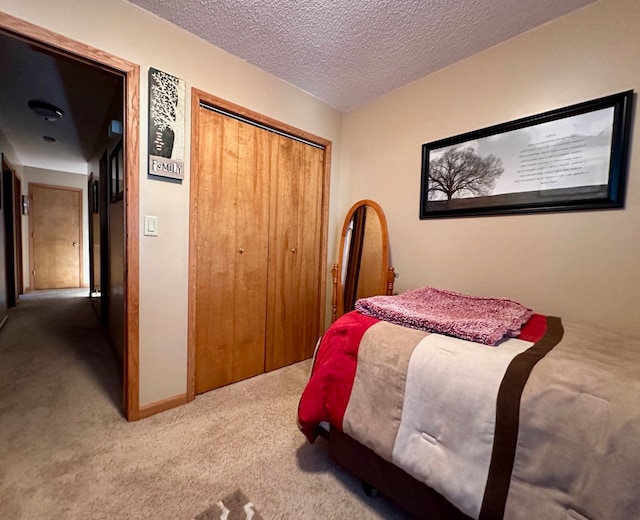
[[95, 196], [116, 168], [167, 99], [571, 158]]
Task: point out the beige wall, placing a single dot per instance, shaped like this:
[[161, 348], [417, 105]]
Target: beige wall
[[579, 265], [7, 149], [126, 31]]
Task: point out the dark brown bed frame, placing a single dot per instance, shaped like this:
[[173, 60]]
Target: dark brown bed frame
[[416, 498]]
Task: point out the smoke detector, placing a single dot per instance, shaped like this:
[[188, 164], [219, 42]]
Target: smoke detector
[[45, 110]]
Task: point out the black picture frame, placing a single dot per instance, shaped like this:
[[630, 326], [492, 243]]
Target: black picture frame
[[116, 173], [166, 112], [95, 196], [572, 158]]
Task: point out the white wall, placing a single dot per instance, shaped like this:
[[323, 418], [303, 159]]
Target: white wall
[[579, 265], [126, 31], [55, 178]]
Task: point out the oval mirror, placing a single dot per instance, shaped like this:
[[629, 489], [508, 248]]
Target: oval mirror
[[363, 263]]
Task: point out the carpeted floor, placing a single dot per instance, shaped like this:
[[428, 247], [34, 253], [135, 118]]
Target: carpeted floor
[[67, 453]]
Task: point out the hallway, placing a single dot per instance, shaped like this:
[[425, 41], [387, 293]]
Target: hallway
[[54, 355]]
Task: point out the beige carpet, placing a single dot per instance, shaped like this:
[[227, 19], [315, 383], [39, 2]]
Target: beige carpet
[[67, 453]]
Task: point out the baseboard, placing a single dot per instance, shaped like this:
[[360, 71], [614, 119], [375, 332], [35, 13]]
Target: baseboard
[[4, 320], [162, 406]]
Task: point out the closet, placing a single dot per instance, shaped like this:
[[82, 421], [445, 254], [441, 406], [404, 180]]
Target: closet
[[258, 250]]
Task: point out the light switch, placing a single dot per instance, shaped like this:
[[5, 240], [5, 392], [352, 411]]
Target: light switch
[[150, 226]]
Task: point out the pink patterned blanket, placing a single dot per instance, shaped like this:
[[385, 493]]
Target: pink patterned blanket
[[483, 320]]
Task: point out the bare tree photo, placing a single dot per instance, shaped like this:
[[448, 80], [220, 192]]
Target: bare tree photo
[[167, 115], [462, 173]]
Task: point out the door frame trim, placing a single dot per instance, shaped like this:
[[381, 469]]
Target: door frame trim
[[32, 185], [130, 72], [197, 97]]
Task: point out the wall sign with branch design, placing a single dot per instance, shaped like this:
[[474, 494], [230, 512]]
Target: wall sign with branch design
[[166, 125], [566, 159]]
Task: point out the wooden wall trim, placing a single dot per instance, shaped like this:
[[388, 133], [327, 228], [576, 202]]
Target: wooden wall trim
[[325, 230], [215, 101], [59, 44], [131, 134], [193, 233], [162, 406], [75, 50], [199, 96]]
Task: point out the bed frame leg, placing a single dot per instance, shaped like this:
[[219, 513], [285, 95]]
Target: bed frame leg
[[369, 490]]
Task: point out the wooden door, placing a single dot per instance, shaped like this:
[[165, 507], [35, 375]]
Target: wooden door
[[104, 180], [56, 236], [11, 256], [4, 308], [12, 204], [295, 258], [17, 208], [94, 247], [231, 201]]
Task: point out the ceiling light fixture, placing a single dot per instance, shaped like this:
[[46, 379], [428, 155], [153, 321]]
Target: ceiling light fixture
[[45, 110]]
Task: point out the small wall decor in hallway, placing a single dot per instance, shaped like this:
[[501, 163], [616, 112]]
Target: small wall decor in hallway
[[166, 125]]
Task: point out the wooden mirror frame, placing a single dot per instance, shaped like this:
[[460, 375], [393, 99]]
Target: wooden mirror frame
[[387, 274]]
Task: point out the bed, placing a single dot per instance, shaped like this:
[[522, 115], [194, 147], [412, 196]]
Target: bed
[[543, 422]]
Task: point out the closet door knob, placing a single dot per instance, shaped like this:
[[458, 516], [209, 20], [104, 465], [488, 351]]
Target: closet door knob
[[293, 249], [241, 250]]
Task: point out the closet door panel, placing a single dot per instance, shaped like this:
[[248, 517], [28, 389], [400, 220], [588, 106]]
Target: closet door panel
[[252, 250], [294, 255], [285, 196], [215, 265], [309, 261]]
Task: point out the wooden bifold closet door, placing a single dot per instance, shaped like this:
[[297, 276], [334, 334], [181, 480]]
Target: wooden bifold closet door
[[293, 320], [258, 198]]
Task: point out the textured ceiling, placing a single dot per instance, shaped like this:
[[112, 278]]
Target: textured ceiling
[[344, 53], [349, 53]]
